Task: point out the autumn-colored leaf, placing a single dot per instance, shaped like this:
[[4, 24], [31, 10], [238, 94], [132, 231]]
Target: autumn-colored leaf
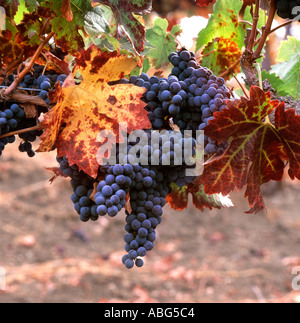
[[10, 50], [67, 10], [220, 54], [178, 198], [224, 22], [288, 125], [257, 149], [54, 63], [203, 3], [18, 42], [128, 25], [83, 111]]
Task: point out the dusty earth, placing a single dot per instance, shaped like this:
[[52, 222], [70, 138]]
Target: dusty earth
[[218, 256]]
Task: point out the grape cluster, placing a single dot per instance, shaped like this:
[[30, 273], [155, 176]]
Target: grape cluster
[[285, 8], [153, 85], [9, 121], [147, 205], [44, 82], [12, 115], [112, 191], [168, 150], [13, 118], [83, 204], [189, 96], [83, 187], [205, 95], [152, 160], [28, 137]]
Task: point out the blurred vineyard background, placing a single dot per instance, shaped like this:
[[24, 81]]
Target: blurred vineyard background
[[218, 256]]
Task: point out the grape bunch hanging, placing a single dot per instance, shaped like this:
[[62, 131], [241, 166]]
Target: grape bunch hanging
[[187, 98], [12, 115]]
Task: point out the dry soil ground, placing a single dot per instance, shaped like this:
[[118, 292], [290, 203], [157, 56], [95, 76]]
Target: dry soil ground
[[218, 256]]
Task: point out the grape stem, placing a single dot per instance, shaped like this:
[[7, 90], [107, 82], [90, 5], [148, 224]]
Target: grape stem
[[253, 34], [6, 93], [231, 68], [241, 86], [282, 25], [9, 134], [266, 32]]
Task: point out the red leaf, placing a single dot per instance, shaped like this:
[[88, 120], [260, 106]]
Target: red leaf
[[257, 150], [67, 10], [178, 198], [288, 125], [203, 3]]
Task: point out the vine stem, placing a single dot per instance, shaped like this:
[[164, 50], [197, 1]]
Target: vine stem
[[241, 86], [230, 68], [7, 92], [282, 25], [254, 26], [38, 127], [266, 31]]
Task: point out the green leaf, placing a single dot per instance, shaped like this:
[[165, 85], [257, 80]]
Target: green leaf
[[288, 48], [146, 65], [126, 13], [84, 17], [288, 68], [32, 5], [163, 42], [275, 82], [224, 22], [94, 23], [289, 73], [21, 11]]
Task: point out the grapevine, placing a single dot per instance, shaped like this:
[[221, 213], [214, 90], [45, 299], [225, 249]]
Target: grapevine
[[71, 87]]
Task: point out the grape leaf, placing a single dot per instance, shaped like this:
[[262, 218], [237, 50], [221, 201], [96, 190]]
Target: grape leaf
[[21, 41], [275, 82], [220, 54], [124, 12], [257, 150], [164, 42], [178, 198], [32, 5], [288, 70], [289, 73], [83, 15], [288, 48], [22, 9], [83, 111], [203, 3], [224, 22], [67, 10]]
